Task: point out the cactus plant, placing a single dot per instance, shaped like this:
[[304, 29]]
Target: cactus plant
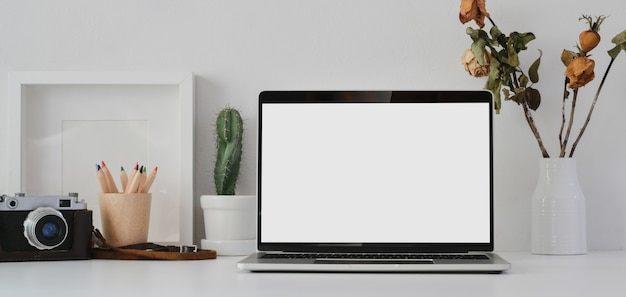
[[229, 130]]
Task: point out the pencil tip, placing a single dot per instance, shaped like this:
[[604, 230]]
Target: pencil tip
[[103, 165], [122, 168], [97, 166]]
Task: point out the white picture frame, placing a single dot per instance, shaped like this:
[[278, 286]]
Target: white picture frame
[[129, 90]]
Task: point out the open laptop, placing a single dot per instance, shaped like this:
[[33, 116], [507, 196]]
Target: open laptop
[[375, 181]]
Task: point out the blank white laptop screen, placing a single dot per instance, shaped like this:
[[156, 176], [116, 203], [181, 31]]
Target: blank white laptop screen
[[376, 172]]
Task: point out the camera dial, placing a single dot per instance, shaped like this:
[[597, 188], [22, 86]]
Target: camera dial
[[45, 228], [12, 203]]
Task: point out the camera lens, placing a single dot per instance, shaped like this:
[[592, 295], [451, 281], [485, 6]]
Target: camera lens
[[50, 230], [45, 228]]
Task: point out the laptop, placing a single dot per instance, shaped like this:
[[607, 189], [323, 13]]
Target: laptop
[[375, 181]]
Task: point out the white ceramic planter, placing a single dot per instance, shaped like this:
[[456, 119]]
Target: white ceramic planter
[[230, 224], [558, 224]]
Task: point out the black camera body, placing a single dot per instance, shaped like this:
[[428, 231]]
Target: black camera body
[[44, 228]]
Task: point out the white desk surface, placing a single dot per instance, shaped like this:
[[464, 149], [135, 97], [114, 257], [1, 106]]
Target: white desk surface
[[594, 274]]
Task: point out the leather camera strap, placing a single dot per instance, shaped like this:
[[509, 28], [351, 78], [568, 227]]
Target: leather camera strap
[[147, 251]]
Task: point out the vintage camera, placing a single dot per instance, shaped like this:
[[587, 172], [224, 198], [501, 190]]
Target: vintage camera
[[44, 228]]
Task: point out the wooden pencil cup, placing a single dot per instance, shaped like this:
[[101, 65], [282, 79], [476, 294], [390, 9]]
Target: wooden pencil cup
[[125, 217]]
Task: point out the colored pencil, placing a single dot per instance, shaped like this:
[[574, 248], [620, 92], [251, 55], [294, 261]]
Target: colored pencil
[[103, 183], [109, 179], [145, 187], [134, 182], [123, 178], [133, 173]]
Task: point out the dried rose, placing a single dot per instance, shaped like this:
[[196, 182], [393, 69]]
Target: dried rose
[[588, 40], [591, 38], [473, 10], [580, 72], [473, 67]]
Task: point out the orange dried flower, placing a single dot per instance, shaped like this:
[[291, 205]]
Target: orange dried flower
[[473, 67], [473, 10], [580, 72], [588, 40]]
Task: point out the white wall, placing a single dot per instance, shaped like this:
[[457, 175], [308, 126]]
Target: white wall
[[238, 48]]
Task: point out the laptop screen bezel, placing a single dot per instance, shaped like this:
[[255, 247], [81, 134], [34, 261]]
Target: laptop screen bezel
[[390, 97]]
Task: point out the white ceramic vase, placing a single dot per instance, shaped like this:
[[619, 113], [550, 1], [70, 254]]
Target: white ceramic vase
[[229, 224], [558, 224]]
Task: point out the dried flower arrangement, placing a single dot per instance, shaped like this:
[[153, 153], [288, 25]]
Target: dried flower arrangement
[[496, 56]]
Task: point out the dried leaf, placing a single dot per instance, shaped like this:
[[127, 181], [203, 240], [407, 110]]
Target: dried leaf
[[496, 35], [513, 58], [620, 39], [615, 51], [523, 80], [567, 57], [620, 44], [494, 84], [533, 71], [519, 40], [533, 98], [478, 49], [476, 34]]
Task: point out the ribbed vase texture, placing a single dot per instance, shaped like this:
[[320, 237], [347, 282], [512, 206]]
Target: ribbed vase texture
[[558, 223]]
